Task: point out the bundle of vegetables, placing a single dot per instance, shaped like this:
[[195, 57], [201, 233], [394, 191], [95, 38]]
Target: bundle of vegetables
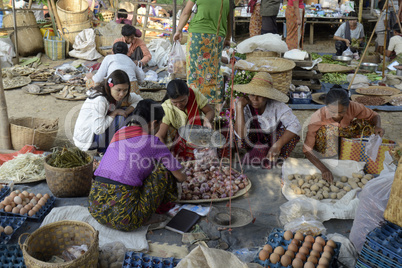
[[326, 59], [206, 181], [373, 76], [334, 78], [22, 167], [68, 158], [355, 43]]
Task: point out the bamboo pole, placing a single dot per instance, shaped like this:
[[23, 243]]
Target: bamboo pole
[[360, 10], [397, 17], [5, 138], [145, 25], [134, 20], [365, 50], [56, 16], [385, 40], [174, 20], [15, 33]]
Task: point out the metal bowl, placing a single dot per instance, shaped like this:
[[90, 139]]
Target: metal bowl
[[342, 59], [369, 66]]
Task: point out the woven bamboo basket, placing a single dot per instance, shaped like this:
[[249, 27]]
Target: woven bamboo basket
[[107, 15], [52, 239], [69, 182], [105, 40], [70, 31], [393, 212], [261, 54], [25, 131], [72, 11], [280, 70]]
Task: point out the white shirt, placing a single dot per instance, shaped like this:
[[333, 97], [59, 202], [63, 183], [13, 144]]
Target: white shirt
[[356, 33], [115, 62], [93, 119], [275, 112], [395, 43]]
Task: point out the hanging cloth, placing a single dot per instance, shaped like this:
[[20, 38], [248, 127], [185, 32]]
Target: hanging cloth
[[348, 33], [127, 133]]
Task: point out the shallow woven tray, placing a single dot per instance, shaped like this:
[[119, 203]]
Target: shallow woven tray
[[19, 71], [395, 97], [316, 98], [153, 95], [333, 68], [392, 91], [20, 82], [238, 194], [278, 65], [57, 96], [386, 99], [41, 93]]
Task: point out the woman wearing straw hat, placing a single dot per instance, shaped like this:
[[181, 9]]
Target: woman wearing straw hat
[[265, 125], [335, 120]]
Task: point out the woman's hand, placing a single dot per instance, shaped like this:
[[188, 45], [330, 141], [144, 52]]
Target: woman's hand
[[274, 152], [177, 36], [327, 175], [118, 112], [207, 123], [347, 42], [379, 131], [242, 102]]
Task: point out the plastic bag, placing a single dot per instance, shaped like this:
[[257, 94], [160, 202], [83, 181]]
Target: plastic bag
[[151, 76], [347, 53], [177, 61], [67, 71], [111, 255], [74, 252], [245, 254], [84, 46], [307, 225], [372, 146], [297, 208], [373, 201]]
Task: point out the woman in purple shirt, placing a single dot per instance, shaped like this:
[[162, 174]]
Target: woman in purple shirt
[[137, 173]]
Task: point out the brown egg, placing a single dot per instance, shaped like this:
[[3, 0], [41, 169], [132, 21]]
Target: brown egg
[[17, 191], [38, 206], [323, 261], [35, 209], [13, 194], [315, 253], [17, 200], [25, 193], [293, 248], [290, 253], [20, 206], [13, 204], [8, 208], [301, 256], [286, 260], [42, 202], [331, 243], [31, 213], [39, 196], [307, 244], [320, 240], [299, 236], [35, 198], [31, 195], [8, 230], [309, 238], [15, 210], [21, 196], [274, 258], [23, 211], [296, 242], [318, 247], [327, 255], [279, 250], [309, 265], [297, 263], [288, 235], [268, 248], [312, 259], [329, 249], [47, 196], [6, 202], [304, 250], [28, 207], [263, 255]]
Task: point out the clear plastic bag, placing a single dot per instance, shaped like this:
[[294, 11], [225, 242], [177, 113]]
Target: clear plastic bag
[[74, 252], [307, 225], [245, 254], [111, 255], [297, 208], [177, 61], [348, 53], [373, 144]]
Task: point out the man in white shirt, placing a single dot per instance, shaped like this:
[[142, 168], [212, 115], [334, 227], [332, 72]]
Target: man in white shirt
[[395, 44], [348, 30]]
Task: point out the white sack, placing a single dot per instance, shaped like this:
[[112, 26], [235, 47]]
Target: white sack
[[325, 209], [295, 54], [159, 49], [85, 46], [6, 52], [267, 42]]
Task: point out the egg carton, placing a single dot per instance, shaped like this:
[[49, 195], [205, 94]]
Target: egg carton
[[11, 256], [4, 192], [38, 215], [387, 240], [275, 239], [133, 259], [14, 222], [361, 264], [376, 259]]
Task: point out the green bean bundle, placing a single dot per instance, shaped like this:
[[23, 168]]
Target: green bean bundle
[[68, 158]]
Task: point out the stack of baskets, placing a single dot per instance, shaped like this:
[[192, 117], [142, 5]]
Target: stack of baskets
[[107, 15], [74, 17]]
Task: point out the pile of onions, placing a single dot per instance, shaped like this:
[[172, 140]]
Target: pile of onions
[[206, 181]]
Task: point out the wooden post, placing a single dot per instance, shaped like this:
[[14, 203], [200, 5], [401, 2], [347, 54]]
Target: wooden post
[[174, 20], [135, 11], [15, 33], [385, 40], [145, 26], [5, 139], [397, 17], [360, 10], [56, 16]]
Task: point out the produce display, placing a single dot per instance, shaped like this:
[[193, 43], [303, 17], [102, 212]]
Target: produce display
[[314, 186], [334, 78], [42, 88], [17, 70], [396, 100], [42, 75], [298, 251], [71, 93], [380, 91], [24, 203], [326, 59], [207, 181], [22, 168], [68, 158], [371, 100], [15, 82]]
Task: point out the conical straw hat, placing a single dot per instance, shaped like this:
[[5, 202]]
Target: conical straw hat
[[261, 85]]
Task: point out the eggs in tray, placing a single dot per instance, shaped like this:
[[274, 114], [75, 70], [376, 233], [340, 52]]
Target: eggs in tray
[[24, 203]]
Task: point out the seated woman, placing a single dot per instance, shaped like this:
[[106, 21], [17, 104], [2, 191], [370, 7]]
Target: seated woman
[[137, 50], [137, 173], [335, 120], [118, 61], [122, 18], [183, 106], [395, 45], [348, 31], [101, 114], [265, 125]]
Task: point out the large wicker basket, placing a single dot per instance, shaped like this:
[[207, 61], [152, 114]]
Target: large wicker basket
[[69, 182], [261, 54], [72, 11], [70, 31], [52, 239], [393, 212], [25, 131]]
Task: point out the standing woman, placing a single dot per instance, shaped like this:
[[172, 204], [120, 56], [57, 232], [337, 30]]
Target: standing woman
[[294, 22], [255, 19], [205, 44]]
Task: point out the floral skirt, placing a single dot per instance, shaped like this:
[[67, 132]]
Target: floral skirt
[[327, 137], [203, 64], [125, 207], [255, 21]]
